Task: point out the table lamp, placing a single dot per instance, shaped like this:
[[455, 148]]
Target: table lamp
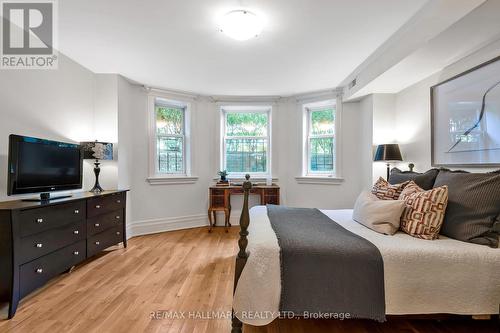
[[97, 151], [388, 153]]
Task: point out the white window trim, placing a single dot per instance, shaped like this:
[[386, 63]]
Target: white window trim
[[328, 178], [155, 177], [253, 108]]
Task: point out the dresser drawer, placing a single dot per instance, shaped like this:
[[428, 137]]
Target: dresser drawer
[[105, 204], [99, 242], [35, 246], [36, 273], [33, 221], [100, 223]]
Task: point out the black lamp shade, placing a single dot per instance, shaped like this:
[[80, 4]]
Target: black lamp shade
[[95, 150], [388, 152]]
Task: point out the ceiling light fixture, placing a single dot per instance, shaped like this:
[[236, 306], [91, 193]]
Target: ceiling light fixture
[[241, 24]]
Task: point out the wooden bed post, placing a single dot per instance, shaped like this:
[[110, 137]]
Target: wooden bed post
[[241, 258]]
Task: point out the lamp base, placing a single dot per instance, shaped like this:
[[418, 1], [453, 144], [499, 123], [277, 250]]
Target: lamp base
[[97, 170], [96, 189]]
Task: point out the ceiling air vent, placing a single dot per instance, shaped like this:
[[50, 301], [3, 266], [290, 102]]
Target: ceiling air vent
[[352, 84]]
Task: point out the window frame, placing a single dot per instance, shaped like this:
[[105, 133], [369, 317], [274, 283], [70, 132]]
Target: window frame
[[155, 176], [308, 109], [181, 136], [310, 136], [225, 110]]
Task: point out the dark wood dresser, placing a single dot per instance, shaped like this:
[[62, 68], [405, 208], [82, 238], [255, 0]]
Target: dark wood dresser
[[40, 240]]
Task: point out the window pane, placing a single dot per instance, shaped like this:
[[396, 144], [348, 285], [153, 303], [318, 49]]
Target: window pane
[[321, 154], [246, 155], [170, 155], [246, 124], [322, 122], [169, 120]]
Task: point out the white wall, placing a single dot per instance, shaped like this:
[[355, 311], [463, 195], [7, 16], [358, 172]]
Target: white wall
[[51, 104], [110, 108], [366, 145], [162, 207], [165, 207], [105, 124], [74, 104], [379, 117], [353, 152], [384, 128], [413, 109]]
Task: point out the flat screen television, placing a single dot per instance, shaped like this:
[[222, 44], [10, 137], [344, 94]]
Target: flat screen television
[[38, 165]]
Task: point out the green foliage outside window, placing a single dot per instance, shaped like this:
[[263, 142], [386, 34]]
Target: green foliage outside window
[[169, 120], [170, 142], [246, 154], [246, 124], [321, 140]]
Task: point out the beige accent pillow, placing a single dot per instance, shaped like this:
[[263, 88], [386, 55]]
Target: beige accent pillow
[[424, 210], [379, 215], [385, 191]]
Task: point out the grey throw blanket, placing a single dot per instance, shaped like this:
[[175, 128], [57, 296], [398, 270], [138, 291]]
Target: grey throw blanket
[[326, 269]]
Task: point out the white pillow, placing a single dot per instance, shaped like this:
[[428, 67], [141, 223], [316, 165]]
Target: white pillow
[[379, 215]]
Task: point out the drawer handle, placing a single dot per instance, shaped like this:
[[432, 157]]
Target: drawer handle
[[39, 245], [76, 232], [39, 220], [118, 201], [97, 225], [117, 217], [117, 232], [77, 211], [39, 271], [97, 243], [76, 253], [98, 206]]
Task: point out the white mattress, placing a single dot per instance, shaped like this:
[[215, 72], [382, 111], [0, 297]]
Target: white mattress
[[421, 276]]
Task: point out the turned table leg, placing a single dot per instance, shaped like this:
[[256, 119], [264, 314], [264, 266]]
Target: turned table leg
[[210, 220]]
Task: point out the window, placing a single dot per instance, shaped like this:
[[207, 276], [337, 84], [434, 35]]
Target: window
[[320, 140], [245, 146], [170, 137]]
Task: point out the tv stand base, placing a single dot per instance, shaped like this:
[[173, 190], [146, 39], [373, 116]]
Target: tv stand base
[[47, 197]]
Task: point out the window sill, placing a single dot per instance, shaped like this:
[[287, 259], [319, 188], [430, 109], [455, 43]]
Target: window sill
[[240, 179], [172, 180], [323, 180]]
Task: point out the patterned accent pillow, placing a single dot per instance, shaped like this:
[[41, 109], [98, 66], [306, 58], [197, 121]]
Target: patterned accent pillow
[[424, 210], [385, 191]]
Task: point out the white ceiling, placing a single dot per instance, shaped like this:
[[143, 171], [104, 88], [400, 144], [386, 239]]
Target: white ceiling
[[479, 28], [306, 45]]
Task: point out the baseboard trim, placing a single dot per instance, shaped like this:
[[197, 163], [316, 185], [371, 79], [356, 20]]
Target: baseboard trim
[[153, 226]]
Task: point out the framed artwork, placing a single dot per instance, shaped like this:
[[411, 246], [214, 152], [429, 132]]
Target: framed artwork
[[465, 118]]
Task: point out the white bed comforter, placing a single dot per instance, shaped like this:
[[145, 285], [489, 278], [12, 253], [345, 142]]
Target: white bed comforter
[[421, 276]]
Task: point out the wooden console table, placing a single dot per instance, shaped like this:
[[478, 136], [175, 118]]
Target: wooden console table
[[220, 199]]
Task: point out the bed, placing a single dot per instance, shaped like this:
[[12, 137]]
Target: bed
[[420, 277]]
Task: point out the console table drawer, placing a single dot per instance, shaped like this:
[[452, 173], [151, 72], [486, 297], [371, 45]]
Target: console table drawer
[[101, 223], [33, 221], [99, 242], [38, 245], [36, 273], [105, 204]]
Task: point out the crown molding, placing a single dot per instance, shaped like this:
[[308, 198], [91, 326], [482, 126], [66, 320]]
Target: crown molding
[[318, 95]]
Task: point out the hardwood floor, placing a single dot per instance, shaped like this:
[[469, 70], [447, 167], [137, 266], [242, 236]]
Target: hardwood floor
[[189, 271]]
